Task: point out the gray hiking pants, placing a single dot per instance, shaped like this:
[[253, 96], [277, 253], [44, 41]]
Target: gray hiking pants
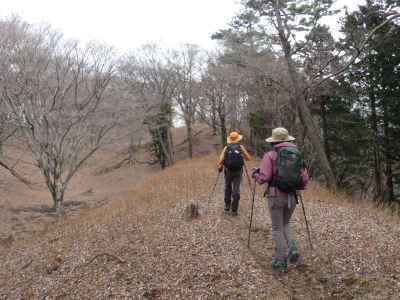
[[232, 189], [281, 209]]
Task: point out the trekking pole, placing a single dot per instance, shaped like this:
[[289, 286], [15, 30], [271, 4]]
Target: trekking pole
[[251, 214], [212, 191], [249, 181], [247, 174], [305, 219]]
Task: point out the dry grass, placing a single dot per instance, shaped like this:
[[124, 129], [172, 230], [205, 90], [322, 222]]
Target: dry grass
[[143, 247]]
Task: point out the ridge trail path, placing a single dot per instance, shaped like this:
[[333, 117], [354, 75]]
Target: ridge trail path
[[145, 247], [207, 257], [345, 263], [257, 258]]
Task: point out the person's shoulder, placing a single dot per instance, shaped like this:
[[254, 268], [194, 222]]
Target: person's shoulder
[[270, 154], [243, 149], [286, 145]]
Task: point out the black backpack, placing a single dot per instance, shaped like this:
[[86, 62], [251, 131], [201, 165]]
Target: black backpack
[[233, 160], [288, 165]]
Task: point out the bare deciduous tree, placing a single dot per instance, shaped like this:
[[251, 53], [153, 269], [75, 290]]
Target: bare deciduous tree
[[150, 75], [54, 90], [188, 64], [215, 87], [7, 128]]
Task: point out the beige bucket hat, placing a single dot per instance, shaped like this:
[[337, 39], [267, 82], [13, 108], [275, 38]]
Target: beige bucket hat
[[234, 137], [280, 134]]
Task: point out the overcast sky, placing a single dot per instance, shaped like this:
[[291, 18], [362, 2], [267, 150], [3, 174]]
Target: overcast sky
[[126, 24]]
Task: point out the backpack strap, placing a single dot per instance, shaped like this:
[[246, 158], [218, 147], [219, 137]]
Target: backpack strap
[[273, 166], [273, 162]]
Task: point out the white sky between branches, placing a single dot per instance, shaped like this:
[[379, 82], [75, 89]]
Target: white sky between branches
[[127, 24]]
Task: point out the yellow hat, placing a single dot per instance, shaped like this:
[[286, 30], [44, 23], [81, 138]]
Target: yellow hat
[[280, 134], [234, 137]]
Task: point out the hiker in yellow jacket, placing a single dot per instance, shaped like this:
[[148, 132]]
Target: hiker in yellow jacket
[[231, 161]]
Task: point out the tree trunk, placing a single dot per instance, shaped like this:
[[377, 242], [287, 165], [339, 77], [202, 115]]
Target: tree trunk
[[189, 138], [389, 187], [58, 199], [313, 135], [163, 140], [325, 129], [213, 115], [252, 139], [59, 208], [377, 161], [304, 112], [222, 121], [1, 140], [224, 133], [163, 159], [171, 150]]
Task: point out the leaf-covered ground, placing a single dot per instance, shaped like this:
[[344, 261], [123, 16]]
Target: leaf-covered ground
[[148, 247]]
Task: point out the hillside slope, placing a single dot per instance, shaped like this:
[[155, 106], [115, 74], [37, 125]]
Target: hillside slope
[[146, 247]]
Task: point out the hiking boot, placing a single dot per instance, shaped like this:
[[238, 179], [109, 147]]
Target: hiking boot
[[279, 265], [227, 208], [234, 213], [293, 254]]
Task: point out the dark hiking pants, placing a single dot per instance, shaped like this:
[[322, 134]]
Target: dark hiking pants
[[232, 189]]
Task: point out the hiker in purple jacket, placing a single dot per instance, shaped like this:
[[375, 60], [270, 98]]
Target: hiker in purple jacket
[[281, 204]]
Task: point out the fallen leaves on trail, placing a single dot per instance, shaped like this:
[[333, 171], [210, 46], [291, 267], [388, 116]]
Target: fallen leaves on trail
[[355, 250], [146, 248]]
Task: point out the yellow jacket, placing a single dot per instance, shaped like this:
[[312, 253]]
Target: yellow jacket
[[243, 150]]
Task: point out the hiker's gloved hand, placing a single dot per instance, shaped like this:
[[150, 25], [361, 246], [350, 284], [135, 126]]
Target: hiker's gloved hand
[[255, 173], [220, 169]]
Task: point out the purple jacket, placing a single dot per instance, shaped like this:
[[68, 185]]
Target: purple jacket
[[267, 168]]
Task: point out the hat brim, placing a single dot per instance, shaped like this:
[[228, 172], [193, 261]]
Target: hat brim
[[232, 141], [272, 140]]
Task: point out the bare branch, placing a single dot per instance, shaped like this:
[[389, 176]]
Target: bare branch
[[358, 51], [16, 174]]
